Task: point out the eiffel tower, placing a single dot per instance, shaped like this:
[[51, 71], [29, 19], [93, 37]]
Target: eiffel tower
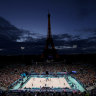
[[49, 51]]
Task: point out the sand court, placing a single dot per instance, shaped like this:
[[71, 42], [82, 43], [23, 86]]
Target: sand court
[[36, 82]]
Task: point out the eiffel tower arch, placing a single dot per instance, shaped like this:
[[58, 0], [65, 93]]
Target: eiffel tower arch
[[49, 51]]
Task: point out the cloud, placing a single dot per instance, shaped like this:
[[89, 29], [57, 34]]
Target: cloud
[[87, 30], [65, 37]]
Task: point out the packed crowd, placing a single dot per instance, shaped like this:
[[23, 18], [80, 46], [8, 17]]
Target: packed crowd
[[85, 73], [28, 93], [10, 73]]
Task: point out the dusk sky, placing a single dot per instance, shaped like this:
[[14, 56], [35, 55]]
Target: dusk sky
[[73, 24], [67, 16]]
